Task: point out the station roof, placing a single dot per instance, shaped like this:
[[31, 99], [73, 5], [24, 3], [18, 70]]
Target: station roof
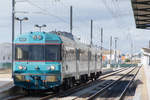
[[146, 51], [141, 10]]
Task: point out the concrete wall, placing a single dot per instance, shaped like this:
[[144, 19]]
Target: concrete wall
[[145, 60]]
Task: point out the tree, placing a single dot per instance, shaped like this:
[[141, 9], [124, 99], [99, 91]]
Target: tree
[[127, 60]]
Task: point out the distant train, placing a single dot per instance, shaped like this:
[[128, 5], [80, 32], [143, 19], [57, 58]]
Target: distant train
[[49, 60]]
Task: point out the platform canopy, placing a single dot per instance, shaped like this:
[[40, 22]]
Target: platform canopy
[[141, 9], [146, 51]]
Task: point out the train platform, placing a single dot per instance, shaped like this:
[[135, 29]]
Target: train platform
[[5, 79], [142, 82]]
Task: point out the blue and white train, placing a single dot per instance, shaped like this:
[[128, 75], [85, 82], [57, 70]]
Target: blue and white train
[[44, 61]]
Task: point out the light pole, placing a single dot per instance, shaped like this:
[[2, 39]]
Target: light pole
[[116, 38], [40, 27], [110, 50], [101, 47], [91, 43], [20, 20], [13, 33], [71, 16], [131, 51]]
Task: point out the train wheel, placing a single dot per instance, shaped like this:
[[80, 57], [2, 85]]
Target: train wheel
[[68, 83], [56, 89], [95, 78], [27, 92], [71, 83], [85, 78]]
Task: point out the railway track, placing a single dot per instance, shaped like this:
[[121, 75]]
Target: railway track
[[69, 91], [107, 87], [90, 84], [82, 86], [91, 92], [109, 91], [122, 96], [16, 97]]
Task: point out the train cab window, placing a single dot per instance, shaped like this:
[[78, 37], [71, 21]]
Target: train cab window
[[21, 52], [53, 52], [38, 52]]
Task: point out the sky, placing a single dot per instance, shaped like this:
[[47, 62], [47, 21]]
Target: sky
[[114, 16]]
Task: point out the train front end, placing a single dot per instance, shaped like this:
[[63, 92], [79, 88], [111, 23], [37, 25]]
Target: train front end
[[37, 64]]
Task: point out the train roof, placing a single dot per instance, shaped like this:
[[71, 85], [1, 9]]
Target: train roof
[[38, 37], [73, 42], [53, 37]]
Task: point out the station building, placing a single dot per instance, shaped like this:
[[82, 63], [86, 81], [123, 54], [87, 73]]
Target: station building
[[145, 59], [106, 54], [5, 53]]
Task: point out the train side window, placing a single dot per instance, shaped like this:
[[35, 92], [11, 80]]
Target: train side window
[[95, 57], [66, 67], [77, 54], [52, 52], [61, 52], [21, 52], [89, 55]]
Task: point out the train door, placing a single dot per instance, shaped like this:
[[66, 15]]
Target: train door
[[95, 62], [64, 59], [77, 62]]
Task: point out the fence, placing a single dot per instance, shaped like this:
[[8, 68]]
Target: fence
[[5, 65]]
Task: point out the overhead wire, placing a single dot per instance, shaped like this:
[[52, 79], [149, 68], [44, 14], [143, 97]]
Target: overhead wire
[[114, 9], [45, 10]]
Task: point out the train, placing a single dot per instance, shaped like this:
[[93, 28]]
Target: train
[[48, 60]]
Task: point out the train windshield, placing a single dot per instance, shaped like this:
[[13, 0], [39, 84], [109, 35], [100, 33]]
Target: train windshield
[[38, 52]]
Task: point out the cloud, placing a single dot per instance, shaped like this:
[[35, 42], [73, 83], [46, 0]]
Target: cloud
[[116, 18]]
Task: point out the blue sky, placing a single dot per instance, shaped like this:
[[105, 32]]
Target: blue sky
[[115, 16]]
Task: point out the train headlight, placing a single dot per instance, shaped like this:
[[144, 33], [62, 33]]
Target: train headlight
[[20, 67], [49, 68], [40, 37], [34, 37], [52, 67]]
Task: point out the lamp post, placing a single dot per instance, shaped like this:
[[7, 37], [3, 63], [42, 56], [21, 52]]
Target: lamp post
[[13, 34], [40, 27], [21, 20], [116, 38], [101, 47], [110, 50]]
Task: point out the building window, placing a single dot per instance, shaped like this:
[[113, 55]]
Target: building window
[[3, 57]]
